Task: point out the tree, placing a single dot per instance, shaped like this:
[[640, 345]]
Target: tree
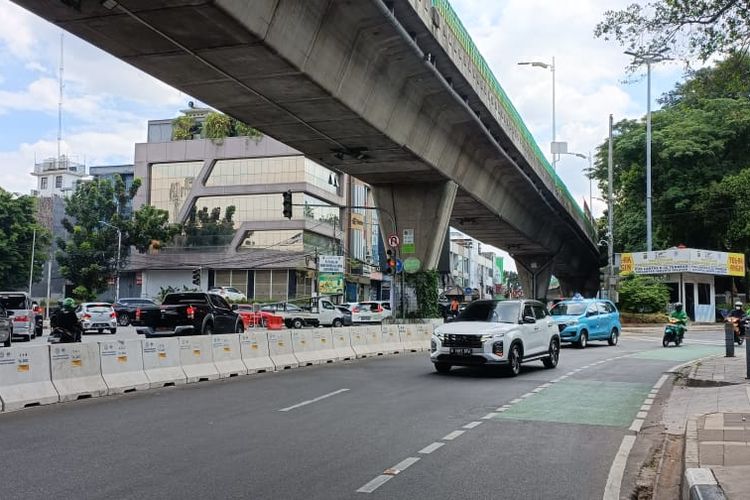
[[690, 29], [88, 258], [699, 137], [215, 126], [209, 229], [17, 227]]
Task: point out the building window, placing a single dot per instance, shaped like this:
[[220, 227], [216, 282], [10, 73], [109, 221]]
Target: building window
[[170, 185], [250, 171], [271, 285], [58, 181], [45, 182]]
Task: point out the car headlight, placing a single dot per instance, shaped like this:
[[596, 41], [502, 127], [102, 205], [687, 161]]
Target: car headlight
[[438, 335], [490, 336], [572, 322]]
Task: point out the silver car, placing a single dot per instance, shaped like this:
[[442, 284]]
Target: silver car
[[18, 305], [97, 316]]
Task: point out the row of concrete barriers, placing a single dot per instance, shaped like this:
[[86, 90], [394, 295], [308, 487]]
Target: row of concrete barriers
[[45, 374]]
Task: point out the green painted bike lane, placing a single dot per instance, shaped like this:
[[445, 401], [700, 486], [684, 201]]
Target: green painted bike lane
[[600, 395]]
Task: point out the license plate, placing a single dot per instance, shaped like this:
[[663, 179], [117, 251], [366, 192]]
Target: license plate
[[461, 351], [365, 318]]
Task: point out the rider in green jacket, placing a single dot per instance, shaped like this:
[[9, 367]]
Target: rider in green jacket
[[681, 317]]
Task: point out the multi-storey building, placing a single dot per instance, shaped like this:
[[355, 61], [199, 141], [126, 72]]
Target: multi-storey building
[[227, 194]]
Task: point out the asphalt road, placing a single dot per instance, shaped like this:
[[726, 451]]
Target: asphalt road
[[327, 431]]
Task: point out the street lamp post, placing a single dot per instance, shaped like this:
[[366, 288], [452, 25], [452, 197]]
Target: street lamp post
[[551, 67], [117, 265], [648, 58]]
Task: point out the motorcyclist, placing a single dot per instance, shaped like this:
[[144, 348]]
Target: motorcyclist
[[738, 313], [66, 319], [680, 318]]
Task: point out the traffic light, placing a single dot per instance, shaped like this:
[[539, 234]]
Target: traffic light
[[390, 263], [197, 277], [287, 204]]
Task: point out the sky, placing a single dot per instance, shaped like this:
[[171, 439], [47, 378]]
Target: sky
[[107, 102]]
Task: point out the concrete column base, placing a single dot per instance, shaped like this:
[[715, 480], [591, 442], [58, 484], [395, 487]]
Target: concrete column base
[[423, 210], [534, 273]]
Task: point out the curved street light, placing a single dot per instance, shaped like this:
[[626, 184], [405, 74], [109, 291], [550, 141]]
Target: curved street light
[[117, 270], [551, 67]]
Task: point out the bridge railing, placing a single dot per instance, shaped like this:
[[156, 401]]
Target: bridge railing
[[462, 35]]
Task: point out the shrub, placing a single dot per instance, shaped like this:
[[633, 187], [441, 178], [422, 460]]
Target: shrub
[[642, 294]]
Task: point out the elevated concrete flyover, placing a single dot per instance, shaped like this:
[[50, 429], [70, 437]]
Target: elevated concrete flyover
[[392, 92]]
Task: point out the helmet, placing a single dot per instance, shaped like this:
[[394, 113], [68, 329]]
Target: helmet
[[738, 304], [678, 305], [68, 304]]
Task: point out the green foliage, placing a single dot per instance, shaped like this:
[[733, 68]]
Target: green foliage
[[425, 284], [701, 136], [83, 294], [88, 258], [695, 28], [642, 294], [184, 128], [165, 290], [206, 228], [217, 126], [17, 226]]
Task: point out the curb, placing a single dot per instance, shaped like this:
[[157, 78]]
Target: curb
[[700, 484]]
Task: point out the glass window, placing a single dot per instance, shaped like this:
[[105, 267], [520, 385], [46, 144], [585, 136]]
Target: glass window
[[279, 285], [704, 293], [263, 285], [602, 308], [281, 239], [591, 310], [170, 185], [247, 171], [44, 184], [528, 311], [539, 311], [58, 181]]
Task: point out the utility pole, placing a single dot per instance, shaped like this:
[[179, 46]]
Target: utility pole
[[610, 215], [31, 265]]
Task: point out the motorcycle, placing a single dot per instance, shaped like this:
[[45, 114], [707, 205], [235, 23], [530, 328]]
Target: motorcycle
[[63, 336], [739, 326], [673, 332]]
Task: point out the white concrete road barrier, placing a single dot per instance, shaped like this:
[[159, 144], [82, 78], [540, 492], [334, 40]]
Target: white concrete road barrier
[[227, 356], [25, 377], [409, 337], [358, 339], [374, 339], [161, 362], [254, 351], [304, 350], [391, 339], [122, 366], [322, 343], [196, 359], [76, 371], [425, 334], [342, 343], [280, 350]]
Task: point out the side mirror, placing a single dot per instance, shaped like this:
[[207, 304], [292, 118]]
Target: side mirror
[[10, 313], [235, 307], [529, 319]]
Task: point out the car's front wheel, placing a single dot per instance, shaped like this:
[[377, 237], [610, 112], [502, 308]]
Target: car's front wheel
[[9, 340], [442, 367], [297, 323], [238, 328], [554, 354], [514, 360], [123, 319], [337, 323], [584, 341]]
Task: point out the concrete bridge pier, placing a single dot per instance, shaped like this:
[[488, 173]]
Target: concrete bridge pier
[[424, 208], [588, 287], [534, 273]]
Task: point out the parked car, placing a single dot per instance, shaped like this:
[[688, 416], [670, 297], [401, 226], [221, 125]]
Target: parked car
[[229, 293], [346, 316], [125, 309], [491, 332], [582, 320], [371, 312], [97, 316], [188, 313], [6, 327], [19, 305]]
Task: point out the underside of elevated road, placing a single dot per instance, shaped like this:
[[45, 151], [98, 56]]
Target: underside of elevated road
[[366, 87]]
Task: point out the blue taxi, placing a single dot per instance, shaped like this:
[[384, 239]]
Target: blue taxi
[[582, 320]]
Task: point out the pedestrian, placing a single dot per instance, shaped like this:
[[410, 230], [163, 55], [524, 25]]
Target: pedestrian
[[454, 307]]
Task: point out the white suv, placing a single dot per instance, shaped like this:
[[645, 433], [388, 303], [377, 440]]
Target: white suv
[[492, 332]]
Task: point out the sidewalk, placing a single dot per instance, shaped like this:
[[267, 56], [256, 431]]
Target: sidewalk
[[710, 406]]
